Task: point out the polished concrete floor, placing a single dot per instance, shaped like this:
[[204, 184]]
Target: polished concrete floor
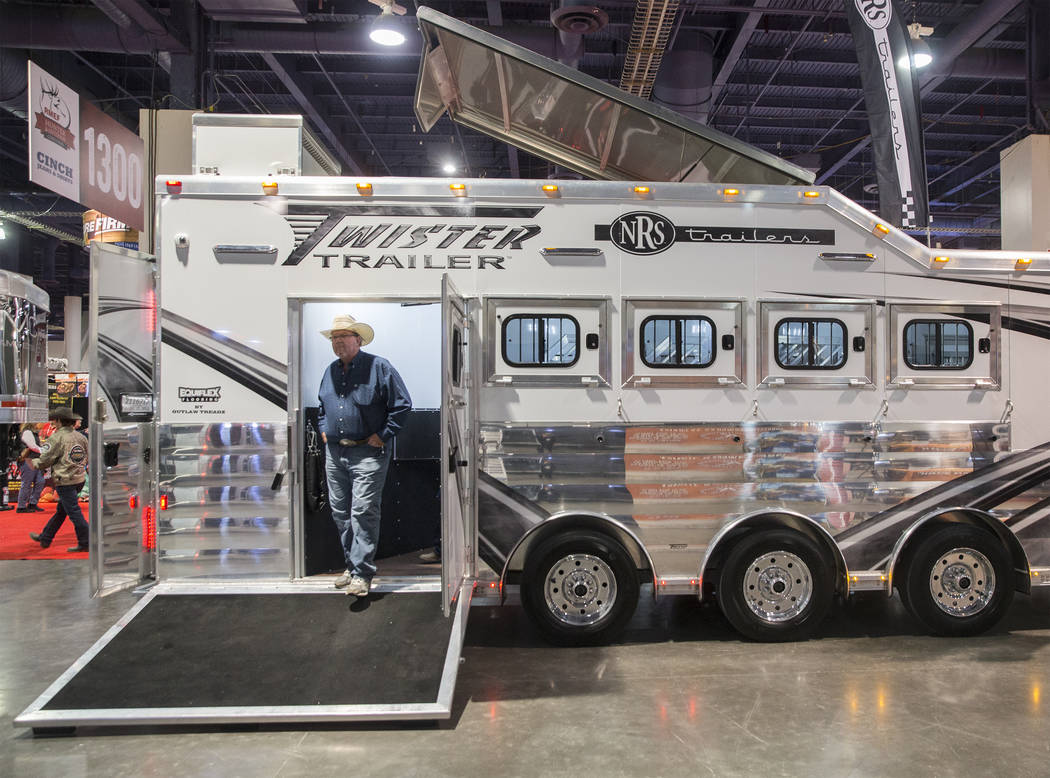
[[679, 695]]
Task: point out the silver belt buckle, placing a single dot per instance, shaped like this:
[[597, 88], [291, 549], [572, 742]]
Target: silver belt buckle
[[347, 442]]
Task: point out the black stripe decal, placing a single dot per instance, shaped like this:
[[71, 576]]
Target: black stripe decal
[[249, 380]]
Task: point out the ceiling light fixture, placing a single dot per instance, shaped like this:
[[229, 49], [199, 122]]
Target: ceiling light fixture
[[386, 29], [921, 55], [3, 234], [448, 168]]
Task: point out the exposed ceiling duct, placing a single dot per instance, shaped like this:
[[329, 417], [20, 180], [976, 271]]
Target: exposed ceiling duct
[[684, 81], [650, 33], [14, 81]]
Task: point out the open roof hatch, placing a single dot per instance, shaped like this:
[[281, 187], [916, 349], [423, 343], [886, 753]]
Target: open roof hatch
[[572, 119]]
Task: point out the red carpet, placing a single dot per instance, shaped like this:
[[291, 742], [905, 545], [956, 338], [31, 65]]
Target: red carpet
[[15, 529]]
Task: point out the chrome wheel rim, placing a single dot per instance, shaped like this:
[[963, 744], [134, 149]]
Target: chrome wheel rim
[[777, 586], [962, 582], [580, 589]]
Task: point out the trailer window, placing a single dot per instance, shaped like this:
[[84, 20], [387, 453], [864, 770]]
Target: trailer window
[[678, 341], [540, 340], [931, 344], [807, 344]]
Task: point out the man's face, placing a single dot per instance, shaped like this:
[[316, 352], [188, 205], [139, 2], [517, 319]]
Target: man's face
[[346, 344]]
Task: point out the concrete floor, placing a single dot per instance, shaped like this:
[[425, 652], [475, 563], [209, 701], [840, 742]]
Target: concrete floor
[[679, 695]]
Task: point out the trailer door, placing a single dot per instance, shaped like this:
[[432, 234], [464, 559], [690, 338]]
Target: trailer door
[[122, 349], [457, 442]]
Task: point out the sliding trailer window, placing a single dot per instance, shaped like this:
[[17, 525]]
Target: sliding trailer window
[[826, 344], [686, 342], [952, 345], [547, 341]]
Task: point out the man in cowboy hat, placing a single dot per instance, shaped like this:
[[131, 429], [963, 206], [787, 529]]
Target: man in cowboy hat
[[66, 453], [363, 403]]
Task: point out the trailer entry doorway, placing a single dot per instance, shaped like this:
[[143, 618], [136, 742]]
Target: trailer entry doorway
[[300, 651]]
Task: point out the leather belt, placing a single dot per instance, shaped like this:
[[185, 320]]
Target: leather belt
[[347, 442]]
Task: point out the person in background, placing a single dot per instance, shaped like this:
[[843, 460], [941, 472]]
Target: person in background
[[66, 453], [363, 403], [31, 477]]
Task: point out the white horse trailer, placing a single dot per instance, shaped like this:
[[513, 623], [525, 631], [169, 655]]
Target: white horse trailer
[[760, 394]]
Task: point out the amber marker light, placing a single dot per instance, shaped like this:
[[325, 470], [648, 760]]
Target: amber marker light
[[459, 190], [1023, 263], [942, 260], [364, 188], [642, 191], [811, 193], [880, 230], [730, 192], [551, 190], [269, 187], [174, 186]]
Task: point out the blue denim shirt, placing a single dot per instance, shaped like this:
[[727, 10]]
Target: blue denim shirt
[[369, 397]]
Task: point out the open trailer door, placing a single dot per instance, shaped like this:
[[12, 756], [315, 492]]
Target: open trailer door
[[122, 349], [458, 447]]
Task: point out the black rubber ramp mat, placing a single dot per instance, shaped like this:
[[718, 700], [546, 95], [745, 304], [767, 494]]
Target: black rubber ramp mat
[[207, 650]]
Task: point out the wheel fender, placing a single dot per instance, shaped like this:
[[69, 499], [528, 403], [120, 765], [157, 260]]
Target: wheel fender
[[962, 515], [765, 519], [564, 522]]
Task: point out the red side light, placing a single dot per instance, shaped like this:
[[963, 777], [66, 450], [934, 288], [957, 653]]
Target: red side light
[[174, 186], [133, 502], [164, 502], [149, 530]]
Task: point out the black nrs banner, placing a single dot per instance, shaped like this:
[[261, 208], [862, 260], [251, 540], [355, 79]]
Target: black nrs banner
[[891, 93]]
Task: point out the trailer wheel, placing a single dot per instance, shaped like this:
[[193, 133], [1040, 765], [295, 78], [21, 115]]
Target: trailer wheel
[[579, 588], [775, 586], [957, 581]]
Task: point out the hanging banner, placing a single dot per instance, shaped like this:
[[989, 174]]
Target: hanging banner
[[82, 154], [54, 127], [891, 94]]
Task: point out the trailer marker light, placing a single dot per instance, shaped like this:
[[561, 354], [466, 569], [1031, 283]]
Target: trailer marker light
[[880, 230], [459, 190], [164, 502], [550, 189], [149, 530], [174, 186], [941, 260], [642, 190], [133, 502], [1023, 263], [730, 192], [269, 187], [364, 188], [811, 193]]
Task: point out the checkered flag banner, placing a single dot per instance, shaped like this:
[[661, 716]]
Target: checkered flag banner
[[891, 96]]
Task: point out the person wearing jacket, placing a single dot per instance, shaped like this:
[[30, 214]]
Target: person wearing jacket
[[66, 453], [31, 477]]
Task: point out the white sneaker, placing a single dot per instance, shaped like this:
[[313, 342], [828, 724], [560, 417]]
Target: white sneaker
[[358, 586], [342, 581]]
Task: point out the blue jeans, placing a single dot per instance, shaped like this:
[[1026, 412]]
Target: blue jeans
[[67, 506], [356, 475], [32, 484]]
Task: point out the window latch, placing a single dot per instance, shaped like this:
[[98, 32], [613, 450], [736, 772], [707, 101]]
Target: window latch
[[904, 383], [858, 382], [503, 379], [775, 381], [589, 380], [643, 381]]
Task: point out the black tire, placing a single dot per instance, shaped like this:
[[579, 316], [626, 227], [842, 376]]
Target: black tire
[[775, 585], [958, 580], [579, 588]]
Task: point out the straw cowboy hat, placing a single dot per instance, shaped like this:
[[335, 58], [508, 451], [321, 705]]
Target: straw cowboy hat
[[344, 322]]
